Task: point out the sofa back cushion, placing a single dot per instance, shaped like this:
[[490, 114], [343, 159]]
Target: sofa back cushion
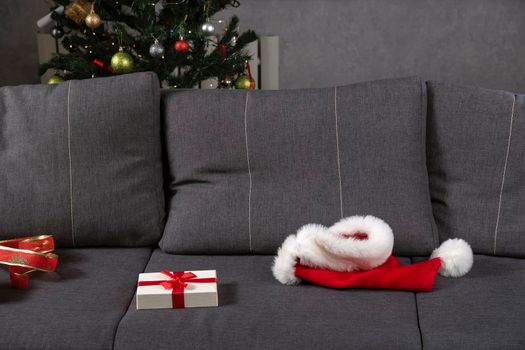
[[249, 168], [476, 149], [82, 161]]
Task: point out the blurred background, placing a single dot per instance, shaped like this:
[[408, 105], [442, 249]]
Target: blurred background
[[335, 42]]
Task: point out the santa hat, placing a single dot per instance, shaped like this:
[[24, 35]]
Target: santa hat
[[356, 253]]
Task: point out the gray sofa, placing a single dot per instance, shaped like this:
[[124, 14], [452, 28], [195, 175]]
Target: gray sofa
[[129, 178]]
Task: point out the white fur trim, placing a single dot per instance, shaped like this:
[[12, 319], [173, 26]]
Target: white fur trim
[[456, 257], [354, 254], [309, 251], [320, 247], [284, 263]]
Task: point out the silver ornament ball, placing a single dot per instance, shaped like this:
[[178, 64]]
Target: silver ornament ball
[[57, 32], [156, 49], [208, 28]]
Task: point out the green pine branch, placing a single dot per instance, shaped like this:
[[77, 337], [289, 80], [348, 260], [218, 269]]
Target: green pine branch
[[135, 25]]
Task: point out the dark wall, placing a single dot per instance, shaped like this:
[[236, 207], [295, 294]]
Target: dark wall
[[480, 42], [18, 45]]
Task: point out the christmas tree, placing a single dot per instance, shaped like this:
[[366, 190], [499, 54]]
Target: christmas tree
[[177, 39]]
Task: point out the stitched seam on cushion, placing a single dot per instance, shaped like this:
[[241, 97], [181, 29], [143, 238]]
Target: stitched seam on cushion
[[249, 172], [131, 300], [504, 174], [70, 165], [338, 151]]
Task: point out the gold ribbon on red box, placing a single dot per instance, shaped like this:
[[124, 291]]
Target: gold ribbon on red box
[[27, 254]]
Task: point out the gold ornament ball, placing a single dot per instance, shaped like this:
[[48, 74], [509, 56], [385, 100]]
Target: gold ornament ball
[[243, 82], [92, 20], [55, 79], [122, 62]]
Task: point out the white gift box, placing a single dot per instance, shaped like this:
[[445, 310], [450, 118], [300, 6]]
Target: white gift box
[[177, 289]]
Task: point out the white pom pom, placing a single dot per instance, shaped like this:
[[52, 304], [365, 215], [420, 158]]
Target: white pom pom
[[284, 263], [456, 257]]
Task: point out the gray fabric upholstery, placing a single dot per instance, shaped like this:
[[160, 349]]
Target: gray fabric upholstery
[[248, 169], [476, 145], [483, 310], [256, 312], [82, 161], [77, 307]]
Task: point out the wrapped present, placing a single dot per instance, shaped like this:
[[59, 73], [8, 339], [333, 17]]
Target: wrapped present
[[77, 10], [177, 289]]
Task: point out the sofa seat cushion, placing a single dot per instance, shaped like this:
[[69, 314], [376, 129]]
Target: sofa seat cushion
[[483, 310], [256, 312], [77, 307]]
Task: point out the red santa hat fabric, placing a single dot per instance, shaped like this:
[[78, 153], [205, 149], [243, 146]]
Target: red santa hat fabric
[[356, 253], [391, 275]]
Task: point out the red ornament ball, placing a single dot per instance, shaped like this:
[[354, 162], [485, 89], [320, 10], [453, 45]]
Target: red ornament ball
[[181, 46]]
